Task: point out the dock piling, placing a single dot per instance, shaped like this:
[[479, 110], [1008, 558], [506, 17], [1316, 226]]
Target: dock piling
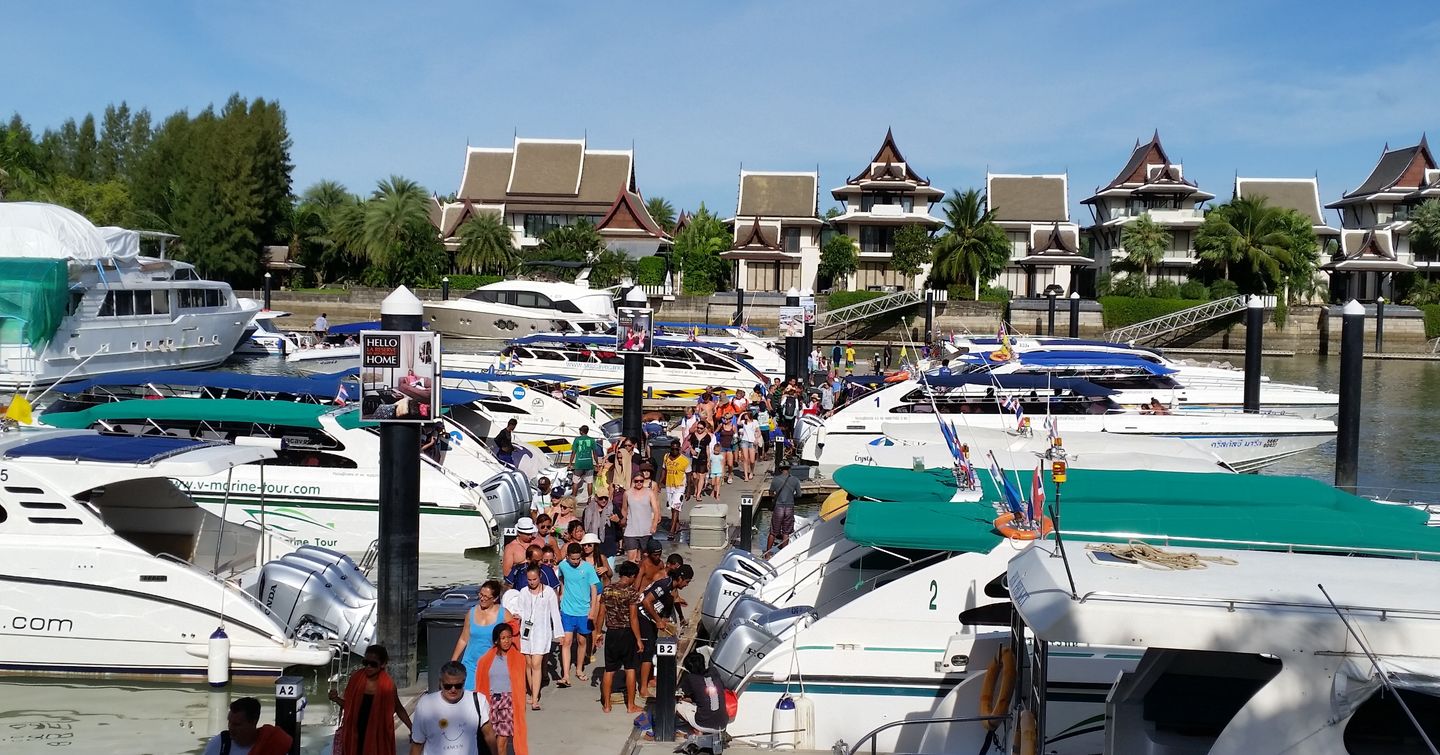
[[445, 288], [1075, 314], [267, 292], [1380, 325], [399, 548], [792, 344], [289, 702], [1347, 438], [632, 410], [1254, 335], [747, 522], [665, 650], [1050, 322]]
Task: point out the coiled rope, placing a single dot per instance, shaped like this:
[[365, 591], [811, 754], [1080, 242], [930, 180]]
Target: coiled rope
[[1147, 555]]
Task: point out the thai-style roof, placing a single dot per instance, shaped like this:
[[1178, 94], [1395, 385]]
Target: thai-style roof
[[1367, 250], [1056, 244], [1028, 198], [1405, 171], [449, 216], [556, 173], [1299, 194], [1149, 169], [278, 258], [758, 241], [888, 165], [778, 195], [682, 222], [629, 218]]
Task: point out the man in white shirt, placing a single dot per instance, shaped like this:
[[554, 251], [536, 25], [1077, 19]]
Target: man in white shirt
[[322, 325], [447, 721]]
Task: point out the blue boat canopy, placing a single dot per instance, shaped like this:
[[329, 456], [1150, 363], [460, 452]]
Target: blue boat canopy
[[353, 328], [1004, 382], [124, 449], [609, 342], [240, 381]]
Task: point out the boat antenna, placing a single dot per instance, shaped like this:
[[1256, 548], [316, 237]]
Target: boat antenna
[[1380, 672]]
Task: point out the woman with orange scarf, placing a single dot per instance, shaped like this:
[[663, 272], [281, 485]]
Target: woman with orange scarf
[[505, 686], [369, 707]]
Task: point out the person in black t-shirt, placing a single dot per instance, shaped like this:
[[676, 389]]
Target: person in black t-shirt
[[659, 605], [703, 694]]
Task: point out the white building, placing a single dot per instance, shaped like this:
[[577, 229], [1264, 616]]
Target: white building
[[1034, 212], [884, 197], [1376, 221], [777, 231]]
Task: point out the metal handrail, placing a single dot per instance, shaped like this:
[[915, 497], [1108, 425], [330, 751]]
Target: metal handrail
[[1231, 603], [900, 299], [906, 722], [1205, 312]]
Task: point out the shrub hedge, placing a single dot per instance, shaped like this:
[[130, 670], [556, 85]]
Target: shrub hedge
[[1120, 311], [650, 271], [840, 299], [462, 283], [1432, 320]]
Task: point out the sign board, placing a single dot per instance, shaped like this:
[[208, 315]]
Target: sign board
[[747, 499], [634, 331], [398, 371], [289, 688], [792, 322], [807, 303], [666, 646]]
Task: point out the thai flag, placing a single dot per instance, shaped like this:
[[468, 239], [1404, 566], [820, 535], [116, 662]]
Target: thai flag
[[1052, 429], [1019, 416], [513, 362], [969, 467], [1037, 496], [1008, 493], [342, 396]]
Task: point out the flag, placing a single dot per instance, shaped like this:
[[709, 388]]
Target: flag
[[1037, 496], [1052, 429], [342, 396], [951, 439], [1019, 416], [1008, 493], [19, 410], [513, 362]]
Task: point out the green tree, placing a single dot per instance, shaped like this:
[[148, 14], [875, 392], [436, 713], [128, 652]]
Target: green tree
[[698, 248], [23, 167], [1298, 273], [839, 258], [662, 212], [914, 248], [313, 234], [609, 267], [1144, 242], [1245, 241], [973, 249], [114, 142], [486, 246], [397, 240], [102, 202], [1425, 231], [577, 242]]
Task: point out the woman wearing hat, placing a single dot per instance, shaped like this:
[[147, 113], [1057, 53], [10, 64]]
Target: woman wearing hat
[[591, 545]]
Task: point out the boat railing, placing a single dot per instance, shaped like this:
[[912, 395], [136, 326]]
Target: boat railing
[[1400, 495], [1231, 604], [228, 585], [1269, 545], [871, 735]]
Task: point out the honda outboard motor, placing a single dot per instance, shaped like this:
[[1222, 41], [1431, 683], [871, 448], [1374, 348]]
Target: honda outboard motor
[[749, 641], [508, 496], [337, 566], [737, 572], [318, 602], [805, 426], [746, 607]]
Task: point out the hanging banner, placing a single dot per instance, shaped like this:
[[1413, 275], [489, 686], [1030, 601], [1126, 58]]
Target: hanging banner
[[807, 303], [792, 322], [633, 330], [398, 371]]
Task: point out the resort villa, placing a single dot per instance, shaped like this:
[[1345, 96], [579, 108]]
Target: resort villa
[[1375, 217], [1034, 212], [776, 226], [885, 196]]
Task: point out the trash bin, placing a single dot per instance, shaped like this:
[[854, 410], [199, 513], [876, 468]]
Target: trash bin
[[659, 446], [442, 620]]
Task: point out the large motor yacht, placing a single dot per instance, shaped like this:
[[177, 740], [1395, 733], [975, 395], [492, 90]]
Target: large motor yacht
[[78, 301], [510, 309]]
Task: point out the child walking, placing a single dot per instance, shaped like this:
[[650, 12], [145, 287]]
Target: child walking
[[717, 469]]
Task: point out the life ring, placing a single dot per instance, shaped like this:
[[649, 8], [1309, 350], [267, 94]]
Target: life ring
[[898, 377], [1001, 355], [1006, 526], [1002, 668]]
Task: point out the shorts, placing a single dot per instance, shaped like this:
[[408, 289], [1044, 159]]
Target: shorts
[[745, 445], [588, 475], [673, 496], [635, 543], [502, 714], [782, 522], [575, 624], [620, 650]]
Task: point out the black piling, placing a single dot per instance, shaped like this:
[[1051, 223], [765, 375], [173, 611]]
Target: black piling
[[665, 649], [399, 548], [289, 701], [929, 316], [267, 291], [747, 522], [1380, 325], [1050, 322], [1352, 356], [1075, 315], [445, 288], [1254, 334], [632, 408], [739, 307], [793, 358]]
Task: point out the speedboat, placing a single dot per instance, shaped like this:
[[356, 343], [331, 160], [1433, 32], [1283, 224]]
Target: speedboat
[[338, 350], [264, 339], [80, 301], [1294, 652], [1139, 375], [1244, 442], [110, 569], [674, 369], [857, 617], [323, 486], [510, 309], [545, 420], [747, 344]]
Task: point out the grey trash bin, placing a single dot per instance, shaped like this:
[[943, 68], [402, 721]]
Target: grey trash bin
[[443, 620], [659, 446]]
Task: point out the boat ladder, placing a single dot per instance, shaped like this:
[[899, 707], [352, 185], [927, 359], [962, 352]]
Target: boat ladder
[[878, 306], [840, 749], [1185, 318]]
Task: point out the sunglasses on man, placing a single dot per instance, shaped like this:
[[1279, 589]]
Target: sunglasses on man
[[452, 687], [371, 664]]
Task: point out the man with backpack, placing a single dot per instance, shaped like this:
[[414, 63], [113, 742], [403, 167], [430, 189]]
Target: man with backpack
[[790, 409]]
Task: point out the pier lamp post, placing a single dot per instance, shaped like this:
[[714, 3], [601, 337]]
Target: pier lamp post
[[445, 288], [634, 396], [1075, 314], [807, 301], [792, 343]]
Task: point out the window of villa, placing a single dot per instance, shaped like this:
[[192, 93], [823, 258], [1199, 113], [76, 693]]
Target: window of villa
[[792, 239], [877, 239]]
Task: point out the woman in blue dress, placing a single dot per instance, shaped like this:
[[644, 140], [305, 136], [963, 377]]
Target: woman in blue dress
[[476, 637]]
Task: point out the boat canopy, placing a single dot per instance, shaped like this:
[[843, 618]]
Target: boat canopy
[[319, 386], [929, 526], [124, 449], [353, 328], [1049, 358], [34, 294], [609, 342], [36, 230], [286, 413], [1076, 386]]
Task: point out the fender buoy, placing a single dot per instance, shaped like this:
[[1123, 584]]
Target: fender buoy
[[1026, 732], [1007, 526], [835, 504], [987, 690], [898, 377]]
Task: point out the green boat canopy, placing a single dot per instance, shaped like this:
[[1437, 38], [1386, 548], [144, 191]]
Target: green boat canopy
[[287, 413], [33, 297], [924, 525]]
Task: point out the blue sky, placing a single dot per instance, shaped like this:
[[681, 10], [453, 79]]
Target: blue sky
[[371, 89]]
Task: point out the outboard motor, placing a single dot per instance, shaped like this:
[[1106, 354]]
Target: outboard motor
[[508, 496], [318, 602], [746, 562], [337, 566], [751, 640], [746, 607], [724, 588], [805, 426]]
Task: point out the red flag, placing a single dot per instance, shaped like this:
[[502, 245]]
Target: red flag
[[1037, 496]]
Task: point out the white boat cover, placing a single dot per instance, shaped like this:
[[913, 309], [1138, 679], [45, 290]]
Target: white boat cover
[[35, 229], [1356, 681]]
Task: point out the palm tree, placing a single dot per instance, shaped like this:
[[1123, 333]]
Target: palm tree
[[396, 208], [973, 247], [662, 212], [1144, 242], [1248, 236], [486, 245], [579, 242]]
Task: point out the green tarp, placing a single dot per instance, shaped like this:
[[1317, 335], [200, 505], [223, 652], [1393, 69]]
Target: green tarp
[[33, 298], [285, 413], [925, 526]]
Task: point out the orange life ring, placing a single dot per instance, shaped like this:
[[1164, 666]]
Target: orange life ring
[[1006, 526], [897, 377], [1000, 355]]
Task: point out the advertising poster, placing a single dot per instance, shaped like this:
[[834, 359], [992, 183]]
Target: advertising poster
[[633, 332], [398, 372], [807, 303], [792, 322]]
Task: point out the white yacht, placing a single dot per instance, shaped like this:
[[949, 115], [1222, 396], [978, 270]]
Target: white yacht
[[675, 368], [747, 344], [264, 339], [1294, 653], [80, 301], [338, 350], [109, 569], [515, 308], [1244, 442], [545, 420], [323, 488]]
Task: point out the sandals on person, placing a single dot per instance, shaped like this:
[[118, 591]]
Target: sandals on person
[[561, 685]]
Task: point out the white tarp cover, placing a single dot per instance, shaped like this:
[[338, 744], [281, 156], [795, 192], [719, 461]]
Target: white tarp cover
[[35, 229], [1355, 681], [123, 244]]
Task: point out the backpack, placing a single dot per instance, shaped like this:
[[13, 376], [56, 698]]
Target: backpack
[[789, 407]]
